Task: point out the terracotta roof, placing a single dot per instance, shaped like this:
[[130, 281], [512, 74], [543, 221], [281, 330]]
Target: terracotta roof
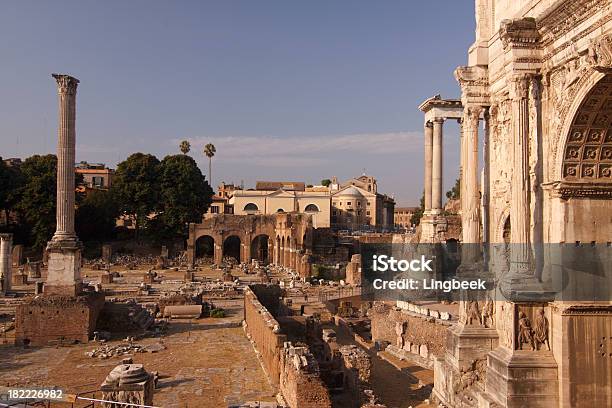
[[277, 185]]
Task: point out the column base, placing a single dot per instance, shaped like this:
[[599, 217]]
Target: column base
[[433, 228], [64, 268], [468, 343], [521, 378]]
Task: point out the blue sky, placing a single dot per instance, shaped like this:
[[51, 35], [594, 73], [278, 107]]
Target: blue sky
[[299, 90]]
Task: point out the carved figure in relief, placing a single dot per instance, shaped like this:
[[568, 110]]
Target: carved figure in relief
[[488, 312], [540, 332], [524, 331], [472, 312]]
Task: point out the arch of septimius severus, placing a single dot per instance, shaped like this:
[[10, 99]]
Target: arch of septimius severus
[[536, 96]]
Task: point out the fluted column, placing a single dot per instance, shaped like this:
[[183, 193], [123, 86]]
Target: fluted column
[[470, 201], [436, 168], [6, 245], [66, 90], [428, 164], [519, 210]]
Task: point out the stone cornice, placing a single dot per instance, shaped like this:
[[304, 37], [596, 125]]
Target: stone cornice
[[567, 190], [437, 101], [66, 84], [567, 16], [519, 33]]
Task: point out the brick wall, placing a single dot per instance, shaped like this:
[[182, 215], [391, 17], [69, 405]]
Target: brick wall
[[57, 318]]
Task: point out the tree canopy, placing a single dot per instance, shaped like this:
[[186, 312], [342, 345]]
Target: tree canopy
[[184, 192], [135, 186]]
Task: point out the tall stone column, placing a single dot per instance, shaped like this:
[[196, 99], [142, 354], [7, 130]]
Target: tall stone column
[[470, 201], [64, 249], [66, 90], [428, 164], [6, 244], [436, 172], [519, 210]]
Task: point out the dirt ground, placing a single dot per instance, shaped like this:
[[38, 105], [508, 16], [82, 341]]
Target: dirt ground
[[207, 362]]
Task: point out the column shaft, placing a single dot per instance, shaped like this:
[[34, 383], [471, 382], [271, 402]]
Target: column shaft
[[428, 164], [66, 88], [436, 172], [6, 244], [519, 210], [470, 202]]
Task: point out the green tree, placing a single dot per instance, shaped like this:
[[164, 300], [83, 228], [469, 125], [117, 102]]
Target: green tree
[[136, 187], [455, 192], [185, 193], [325, 182], [209, 151], [38, 197], [418, 214], [185, 147], [11, 184], [96, 216]]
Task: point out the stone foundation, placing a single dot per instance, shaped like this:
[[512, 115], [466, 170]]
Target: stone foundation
[[57, 319]]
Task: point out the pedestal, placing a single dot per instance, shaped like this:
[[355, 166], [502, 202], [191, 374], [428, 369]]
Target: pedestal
[[64, 268], [433, 227], [521, 378]]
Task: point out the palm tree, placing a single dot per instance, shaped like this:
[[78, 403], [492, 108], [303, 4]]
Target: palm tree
[[185, 146], [209, 151]]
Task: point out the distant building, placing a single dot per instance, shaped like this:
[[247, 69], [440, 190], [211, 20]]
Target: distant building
[[402, 216], [227, 190], [315, 203], [357, 204], [13, 162], [95, 175]]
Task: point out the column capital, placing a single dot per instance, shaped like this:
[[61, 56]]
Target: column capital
[[439, 120], [66, 84], [428, 124], [519, 86], [471, 115]]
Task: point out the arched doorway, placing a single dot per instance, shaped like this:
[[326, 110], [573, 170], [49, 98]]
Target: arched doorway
[[259, 248], [205, 247], [231, 248]]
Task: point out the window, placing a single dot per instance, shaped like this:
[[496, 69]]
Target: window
[[334, 212], [214, 209], [368, 203], [358, 203], [311, 208], [97, 181], [251, 207], [349, 203], [280, 210], [367, 213]]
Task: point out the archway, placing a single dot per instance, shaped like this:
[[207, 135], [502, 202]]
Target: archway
[[205, 247], [259, 248], [231, 247]]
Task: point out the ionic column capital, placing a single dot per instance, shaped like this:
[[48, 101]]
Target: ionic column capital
[[66, 84], [429, 124], [439, 120]]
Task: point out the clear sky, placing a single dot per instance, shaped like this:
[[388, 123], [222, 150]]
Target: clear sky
[[291, 90]]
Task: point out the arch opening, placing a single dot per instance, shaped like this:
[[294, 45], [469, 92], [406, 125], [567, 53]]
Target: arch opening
[[587, 155], [251, 208], [311, 208], [231, 248], [259, 248], [205, 247]]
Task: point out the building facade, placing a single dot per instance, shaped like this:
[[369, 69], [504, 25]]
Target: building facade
[[536, 97], [402, 216], [95, 175]]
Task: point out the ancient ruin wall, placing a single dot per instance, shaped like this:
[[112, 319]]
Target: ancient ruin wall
[[300, 383], [61, 319], [264, 331], [419, 330]]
